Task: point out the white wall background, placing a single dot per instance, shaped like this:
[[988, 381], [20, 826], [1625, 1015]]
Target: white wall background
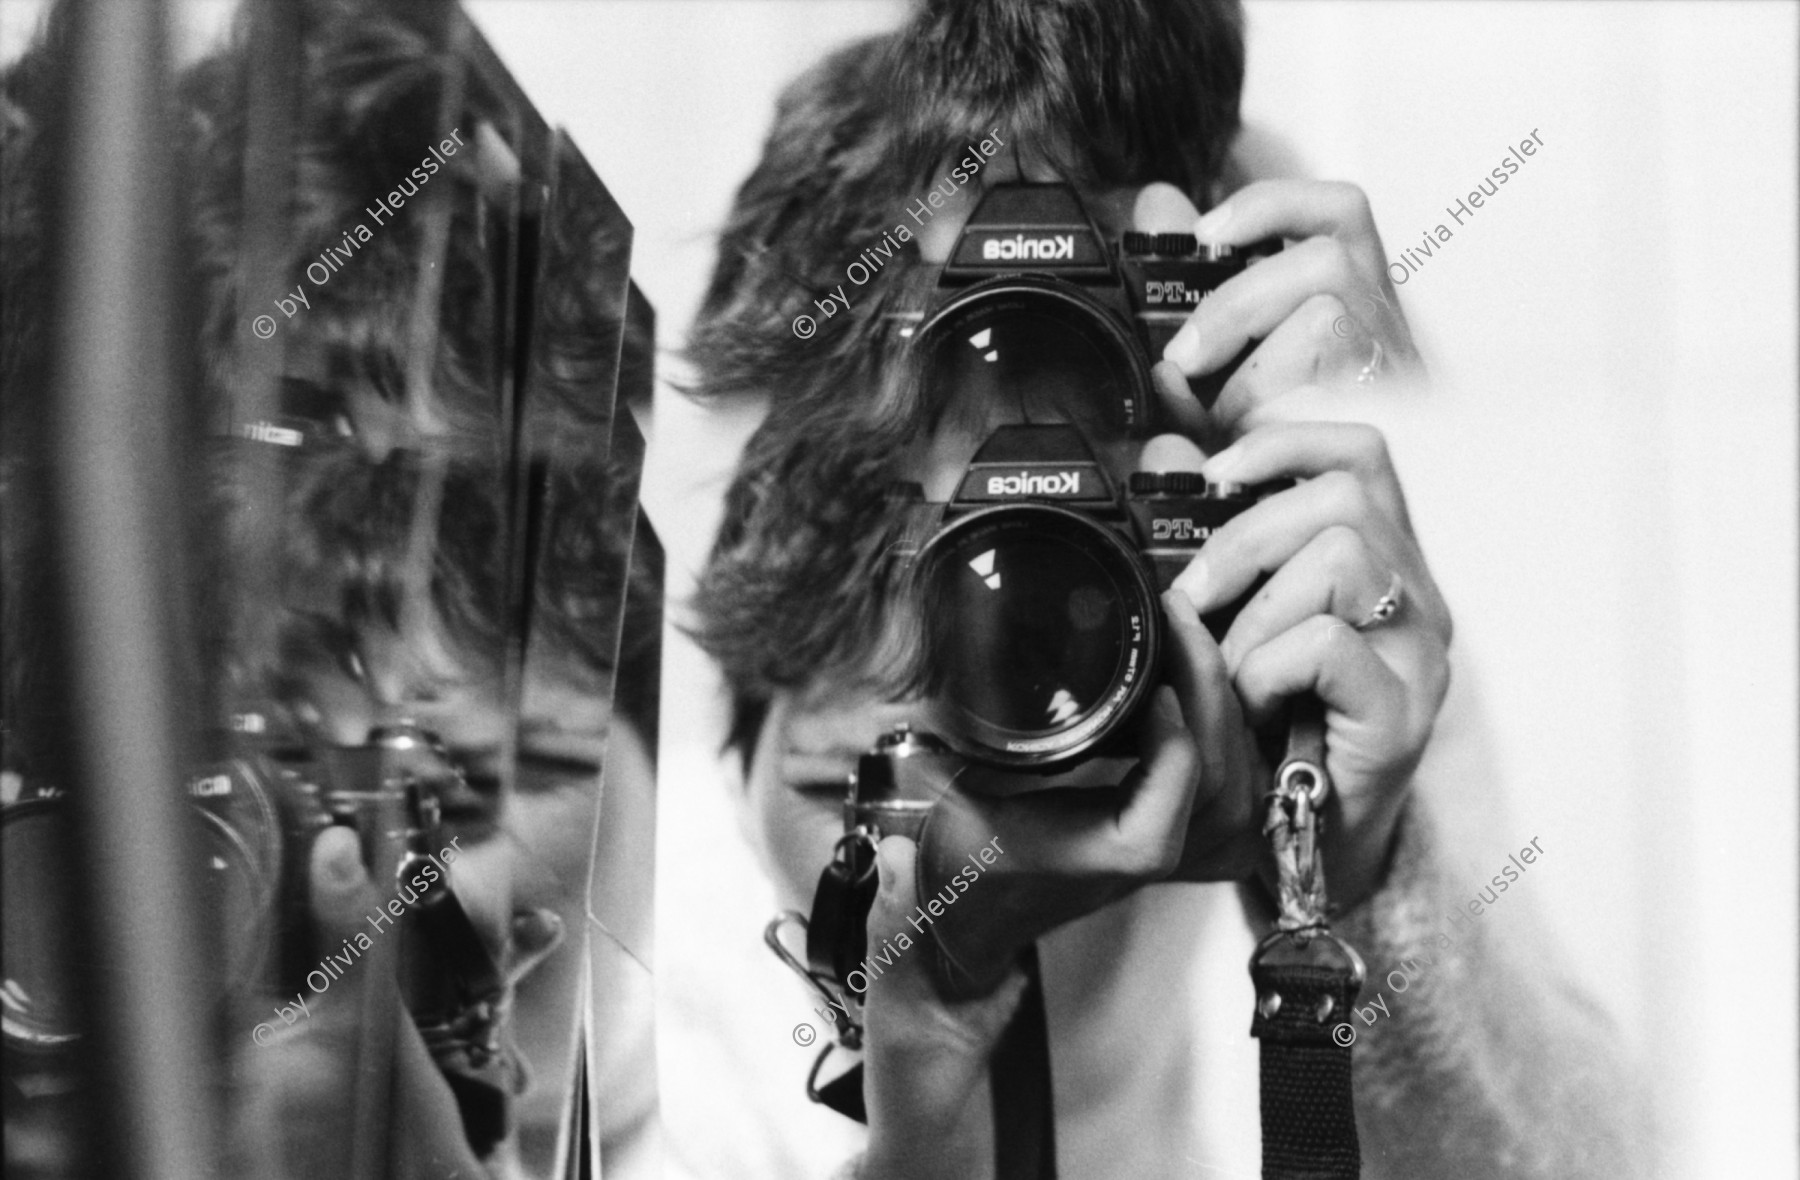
[[1604, 479]]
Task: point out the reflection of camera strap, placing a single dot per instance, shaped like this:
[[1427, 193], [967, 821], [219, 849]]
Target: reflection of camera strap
[[1306, 980]]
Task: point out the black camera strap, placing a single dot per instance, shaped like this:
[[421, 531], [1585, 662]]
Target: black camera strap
[[1023, 1104], [1306, 980]]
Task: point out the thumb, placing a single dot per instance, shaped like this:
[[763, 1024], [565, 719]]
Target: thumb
[[902, 1001], [901, 950], [341, 891], [925, 1059], [342, 898], [381, 1069]]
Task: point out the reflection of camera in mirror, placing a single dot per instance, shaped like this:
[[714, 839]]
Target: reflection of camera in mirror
[[1037, 580], [258, 815], [424, 459]]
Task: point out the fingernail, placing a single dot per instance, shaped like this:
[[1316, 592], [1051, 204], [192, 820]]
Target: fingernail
[[1184, 350], [343, 856], [1179, 605], [1170, 380], [536, 930], [1222, 467], [1213, 222], [1191, 582]]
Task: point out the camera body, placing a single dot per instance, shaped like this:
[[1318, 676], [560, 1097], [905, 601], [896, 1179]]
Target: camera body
[[1037, 582], [1038, 587], [1032, 249], [275, 795]]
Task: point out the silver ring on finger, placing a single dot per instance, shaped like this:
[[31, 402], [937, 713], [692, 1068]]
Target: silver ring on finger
[[1386, 607], [1367, 376]]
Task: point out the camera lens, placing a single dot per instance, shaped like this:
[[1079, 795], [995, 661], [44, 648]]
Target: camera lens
[[37, 998], [1033, 348], [1040, 631]]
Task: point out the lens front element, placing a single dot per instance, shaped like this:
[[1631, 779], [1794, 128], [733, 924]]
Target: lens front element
[[1040, 635]]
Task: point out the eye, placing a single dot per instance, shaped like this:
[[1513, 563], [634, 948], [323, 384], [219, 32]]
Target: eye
[[568, 766], [543, 771], [554, 759]]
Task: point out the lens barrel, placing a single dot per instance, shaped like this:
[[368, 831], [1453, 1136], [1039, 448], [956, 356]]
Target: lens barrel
[[1037, 344]]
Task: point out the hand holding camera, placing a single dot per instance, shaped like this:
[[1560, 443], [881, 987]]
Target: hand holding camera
[[1323, 310], [1347, 608], [303, 1083]]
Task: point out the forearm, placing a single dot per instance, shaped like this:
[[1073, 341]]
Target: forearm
[[1469, 1060]]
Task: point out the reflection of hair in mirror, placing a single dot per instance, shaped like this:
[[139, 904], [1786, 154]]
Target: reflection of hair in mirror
[[372, 80], [637, 358], [1111, 95], [27, 92], [346, 534], [637, 691], [577, 306]]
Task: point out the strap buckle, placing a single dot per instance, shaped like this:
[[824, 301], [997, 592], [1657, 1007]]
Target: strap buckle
[[1332, 964], [1294, 823]]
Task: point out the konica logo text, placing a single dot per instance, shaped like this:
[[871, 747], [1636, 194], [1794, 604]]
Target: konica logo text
[[1056, 248], [1061, 483]]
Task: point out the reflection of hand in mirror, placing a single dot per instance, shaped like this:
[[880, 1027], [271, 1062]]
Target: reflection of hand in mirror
[[521, 879], [299, 1091]]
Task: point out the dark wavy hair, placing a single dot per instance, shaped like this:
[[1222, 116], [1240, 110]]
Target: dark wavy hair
[[1111, 93]]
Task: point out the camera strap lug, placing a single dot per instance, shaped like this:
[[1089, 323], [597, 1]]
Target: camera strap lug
[[1306, 980]]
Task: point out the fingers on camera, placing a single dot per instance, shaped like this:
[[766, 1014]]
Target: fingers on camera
[[1263, 539], [1327, 656], [1305, 450], [1335, 573], [1291, 208]]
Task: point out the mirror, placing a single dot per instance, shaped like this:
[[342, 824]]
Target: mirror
[[428, 607]]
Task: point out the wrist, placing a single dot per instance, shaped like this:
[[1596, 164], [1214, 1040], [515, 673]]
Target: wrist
[[1359, 856], [941, 1131]]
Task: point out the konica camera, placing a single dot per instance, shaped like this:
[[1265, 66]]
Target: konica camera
[[1038, 579], [258, 809]]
